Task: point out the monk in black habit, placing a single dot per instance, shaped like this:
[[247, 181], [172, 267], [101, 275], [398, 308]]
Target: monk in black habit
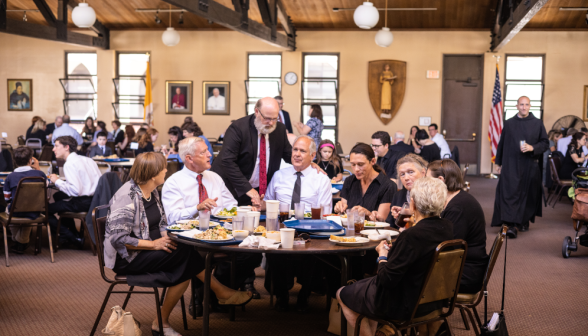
[[518, 194]]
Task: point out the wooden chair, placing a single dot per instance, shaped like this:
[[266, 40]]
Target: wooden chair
[[173, 166], [441, 284], [468, 302], [30, 196], [47, 164], [46, 153], [99, 232], [21, 140], [112, 147], [560, 185], [104, 167], [83, 228]]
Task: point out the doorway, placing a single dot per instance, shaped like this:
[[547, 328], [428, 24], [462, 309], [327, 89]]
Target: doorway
[[461, 107]]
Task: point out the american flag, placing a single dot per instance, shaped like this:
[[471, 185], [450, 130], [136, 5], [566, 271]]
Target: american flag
[[495, 128]]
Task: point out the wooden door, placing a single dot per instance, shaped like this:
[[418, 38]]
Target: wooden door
[[461, 110]]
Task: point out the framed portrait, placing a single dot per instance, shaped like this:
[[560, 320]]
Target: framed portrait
[[585, 103], [20, 94], [215, 98], [178, 97]]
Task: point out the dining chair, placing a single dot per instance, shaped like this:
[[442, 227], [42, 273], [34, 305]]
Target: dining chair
[[83, 228], [104, 167], [560, 185]]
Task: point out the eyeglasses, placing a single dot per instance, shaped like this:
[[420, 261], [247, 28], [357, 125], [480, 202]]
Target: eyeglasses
[[267, 119], [376, 146]]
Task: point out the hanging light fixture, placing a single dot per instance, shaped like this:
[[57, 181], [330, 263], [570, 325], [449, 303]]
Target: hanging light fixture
[[366, 16], [83, 15], [24, 16], [181, 20], [384, 37], [170, 37], [157, 19]]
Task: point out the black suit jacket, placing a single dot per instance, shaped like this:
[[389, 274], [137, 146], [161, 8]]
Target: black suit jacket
[[95, 150], [236, 160], [287, 121], [402, 147], [120, 137]]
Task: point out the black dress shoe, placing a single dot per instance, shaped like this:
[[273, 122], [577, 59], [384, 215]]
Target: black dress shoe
[[250, 288], [199, 310], [511, 232]]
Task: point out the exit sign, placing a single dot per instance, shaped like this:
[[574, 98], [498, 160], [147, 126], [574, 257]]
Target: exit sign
[[433, 74]]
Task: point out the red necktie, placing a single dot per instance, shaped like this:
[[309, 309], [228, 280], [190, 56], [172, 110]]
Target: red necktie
[[202, 194], [280, 118], [262, 166]]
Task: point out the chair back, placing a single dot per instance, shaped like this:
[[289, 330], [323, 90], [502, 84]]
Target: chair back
[[496, 247], [34, 143], [118, 152], [47, 164], [444, 276], [173, 165], [21, 140], [129, 153], [466, 167], [8, 154], [104, 167], [99, 232], [339, 149], [553, 169], [111, 145], [46, 153], [346, 174], [31, 195]]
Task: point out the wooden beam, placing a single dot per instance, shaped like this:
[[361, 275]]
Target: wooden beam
[[18, 27], [266, 10], [2, 14], [226, 17], [285, 19], [61, 23], [519, 17], [46, 11]]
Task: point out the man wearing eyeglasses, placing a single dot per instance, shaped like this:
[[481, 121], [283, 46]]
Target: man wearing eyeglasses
[[387, 158]]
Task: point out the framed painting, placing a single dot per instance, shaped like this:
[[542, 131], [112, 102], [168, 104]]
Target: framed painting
[[20, 94], [178, 97], [215, 98]]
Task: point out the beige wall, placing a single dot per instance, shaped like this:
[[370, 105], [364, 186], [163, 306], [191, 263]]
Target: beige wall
[[222, 56]]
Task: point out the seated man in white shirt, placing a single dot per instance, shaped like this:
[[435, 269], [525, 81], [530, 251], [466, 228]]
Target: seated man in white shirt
[[194, 189], [563, 143], [299, 183], [440, 141], [75, 192]]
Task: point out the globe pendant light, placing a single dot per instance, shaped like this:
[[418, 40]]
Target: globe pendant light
[[384, 37], [83, 15], [170, 37], [366, 16]]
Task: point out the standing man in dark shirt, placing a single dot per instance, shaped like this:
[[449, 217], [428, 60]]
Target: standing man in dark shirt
[[518, 193], [284, 117], [386, 158]]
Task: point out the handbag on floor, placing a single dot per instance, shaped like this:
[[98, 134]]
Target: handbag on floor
[[497, 325], [121, 323], [335, 319]]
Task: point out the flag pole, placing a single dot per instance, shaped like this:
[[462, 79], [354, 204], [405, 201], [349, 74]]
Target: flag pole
[[491, 175]]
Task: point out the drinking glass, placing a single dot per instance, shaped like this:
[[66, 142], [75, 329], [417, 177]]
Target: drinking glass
[[522, 144], [284, 212], [359, 222], [351, 222], [237, 223], [204, 218], [299, 211], [316, 211], [271, 224], [404, 213], [249, 224]]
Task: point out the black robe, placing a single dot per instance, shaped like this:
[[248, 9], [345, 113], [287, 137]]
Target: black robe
[[518, 193]]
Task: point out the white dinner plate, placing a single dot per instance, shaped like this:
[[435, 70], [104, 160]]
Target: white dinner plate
[[229, 237], [327, 233], [358, 242], [368, 232], [377, 226], [223, 217]]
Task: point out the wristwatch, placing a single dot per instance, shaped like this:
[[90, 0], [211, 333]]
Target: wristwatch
[[382, 258]]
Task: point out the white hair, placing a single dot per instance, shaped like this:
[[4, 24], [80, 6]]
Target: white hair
[[188, 147], [429, 195], [312, 146], [398, 135]]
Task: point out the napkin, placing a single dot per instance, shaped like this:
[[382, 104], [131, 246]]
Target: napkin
[[260, 242], [375, 236], [336, 219]]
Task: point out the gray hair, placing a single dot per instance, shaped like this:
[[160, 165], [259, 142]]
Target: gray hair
[[398, 135], [188, 147], [312, 143], [429, 195], [58, 117]]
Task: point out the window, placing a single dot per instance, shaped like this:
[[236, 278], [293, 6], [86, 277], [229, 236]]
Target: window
[[524, 77], [80, 84], [264, 78], [131, 69], [320, 86]]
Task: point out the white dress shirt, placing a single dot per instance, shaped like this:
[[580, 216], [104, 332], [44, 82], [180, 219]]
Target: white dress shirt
[[180, 195], [65, 129], [254, 180], [81, 176], [216, 103], [314, 188], [563, 143], [440, 141]]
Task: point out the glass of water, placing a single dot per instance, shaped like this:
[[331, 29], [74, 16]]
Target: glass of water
[[204, 218]]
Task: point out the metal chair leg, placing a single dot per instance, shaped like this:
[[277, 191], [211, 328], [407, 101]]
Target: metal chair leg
[[558, 197], [102, 309], [57, 235], [5, 245], [159, 319], [183, 303], [464, 318], [473, 323], [129, 296], [92, 245], [477, 316], [38, 236], [162, 296], [50, 242]]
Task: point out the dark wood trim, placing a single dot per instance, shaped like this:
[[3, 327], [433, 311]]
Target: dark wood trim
[[61, 23], [229, 18], [3, 14], [17, 27], [46, 11], [519, 17]]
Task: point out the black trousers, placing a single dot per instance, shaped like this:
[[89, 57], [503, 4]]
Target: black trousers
[[67, 230], [246, 264], [283, 268]]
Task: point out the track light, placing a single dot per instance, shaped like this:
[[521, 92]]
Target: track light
[[181, 20], [24, 16], [157, 19]]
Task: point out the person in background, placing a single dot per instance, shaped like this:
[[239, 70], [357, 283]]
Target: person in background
[[136, 243], [574, 156], [399, 144], [284, 117], [38, 132], [140, 132], [429, 149], [175, 136], [562, 144], [129, 135], [66, 130], [193, 130], [553, 136], [368, 190], [145, 126], [440, 141], [329, 161], [187, 120], [53, 126], [33, 122], [89, 129], [75, 192], [386, 158], [101, 127], [147, 140], [100, 148], [467, 216], [314, 125], [411, 137], [410, 168], [27, 166], [117, 134]]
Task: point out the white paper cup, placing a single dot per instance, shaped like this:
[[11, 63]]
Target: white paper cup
[[240, 234], [287, 236], [255, 214], [272, 206], [275, 235], [247, 208], [241, 213], [271, 214]]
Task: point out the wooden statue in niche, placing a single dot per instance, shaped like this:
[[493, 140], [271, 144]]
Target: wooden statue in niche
[[386, 85]]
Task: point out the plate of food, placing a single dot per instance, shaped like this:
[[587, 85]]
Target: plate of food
[[392, 233], [227, 214], [183, 225], [348, 241], [375, 225], [216, 234], [260, 231]]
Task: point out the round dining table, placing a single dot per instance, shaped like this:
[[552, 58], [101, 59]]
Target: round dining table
[[316, 247]]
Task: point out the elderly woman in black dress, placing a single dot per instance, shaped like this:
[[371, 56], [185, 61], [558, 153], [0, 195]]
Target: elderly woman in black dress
[[136, 242], [368, 190], [467, 216], [410, 168], [394, 292]]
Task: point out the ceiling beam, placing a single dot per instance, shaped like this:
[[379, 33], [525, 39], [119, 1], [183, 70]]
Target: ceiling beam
[[285, 19], [229, 18], [46, 11], [19, 27], [2, 14], [517, 19], [61, 23]]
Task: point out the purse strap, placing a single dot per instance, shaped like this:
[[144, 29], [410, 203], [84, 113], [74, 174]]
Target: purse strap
[[503, 285]]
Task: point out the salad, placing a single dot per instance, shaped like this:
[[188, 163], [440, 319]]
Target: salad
[[216, 233], [228, 213], [189, 225], [307, 215]]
